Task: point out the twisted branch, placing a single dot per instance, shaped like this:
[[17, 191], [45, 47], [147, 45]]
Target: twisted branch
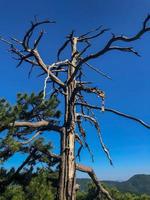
[[93, 120], [83, 134], [100, 188], [121, 38]]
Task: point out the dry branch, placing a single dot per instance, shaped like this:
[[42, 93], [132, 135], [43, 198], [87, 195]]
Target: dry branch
[[121, 38], [83, 134], [98, 70], [100, 188], [116, 112], [96, 124], [85, 36]]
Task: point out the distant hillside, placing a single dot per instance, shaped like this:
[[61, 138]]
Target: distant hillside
[[138, 184], [83, 182]]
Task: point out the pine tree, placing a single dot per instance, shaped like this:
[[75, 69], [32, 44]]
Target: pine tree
[[23, 133]]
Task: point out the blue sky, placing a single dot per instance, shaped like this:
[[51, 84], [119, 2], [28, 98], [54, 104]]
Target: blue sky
[[128, 91]]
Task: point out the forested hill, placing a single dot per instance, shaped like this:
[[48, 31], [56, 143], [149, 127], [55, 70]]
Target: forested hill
[[138, 184]]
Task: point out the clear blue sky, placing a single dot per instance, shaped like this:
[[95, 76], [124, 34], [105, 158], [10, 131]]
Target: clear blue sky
[[128, 142]]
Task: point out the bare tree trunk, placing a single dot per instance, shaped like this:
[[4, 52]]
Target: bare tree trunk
[[67, 168], [69, 153], [67, 165], [60, 194]]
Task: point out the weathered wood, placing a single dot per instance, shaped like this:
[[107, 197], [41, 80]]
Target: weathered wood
[[71, 89], [67, 166], [101, 191]]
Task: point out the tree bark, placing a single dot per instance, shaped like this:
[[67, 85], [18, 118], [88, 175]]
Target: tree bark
[[67, 167]]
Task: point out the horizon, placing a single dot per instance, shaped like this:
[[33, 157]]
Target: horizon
[[124, 180], [128, 91], [118, 180]]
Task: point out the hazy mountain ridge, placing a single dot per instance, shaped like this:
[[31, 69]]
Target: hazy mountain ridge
[[139, 184]]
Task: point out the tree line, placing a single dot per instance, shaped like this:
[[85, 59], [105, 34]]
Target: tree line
[[42, 185]]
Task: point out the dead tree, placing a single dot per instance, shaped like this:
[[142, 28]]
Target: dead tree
[[66, 78]]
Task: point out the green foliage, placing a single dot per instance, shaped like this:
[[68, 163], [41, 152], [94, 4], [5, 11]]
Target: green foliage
[[41, 145], [38, 188], [13, 192], [27, 185], [145, 197], [81, 195], [137, 184], [42, 184], [29, 108], [91, 192], [33, 106], [7, 114], [114, 192], [84, 182]]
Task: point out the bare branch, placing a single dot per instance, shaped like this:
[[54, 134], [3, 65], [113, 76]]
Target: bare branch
[[65, 44], [79, 151], [32, 138], [62, 48], [83, 134], [85, 49], [44, 67], [13, 49], [16, 40], [89, 32], [98, 71], [33, 52], [5, 41], [146, 21], [117, 113], [50, 154], [78, 139], [94, 36], [121, 38], [45, 83], [128, 116], [31, 69], [84, 37], [100, 188], [125, 49], [28, 34], [38, 39], [47, 125], [82, 99], [96, 124], [59, 64], [23, 57], [94, 90]]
